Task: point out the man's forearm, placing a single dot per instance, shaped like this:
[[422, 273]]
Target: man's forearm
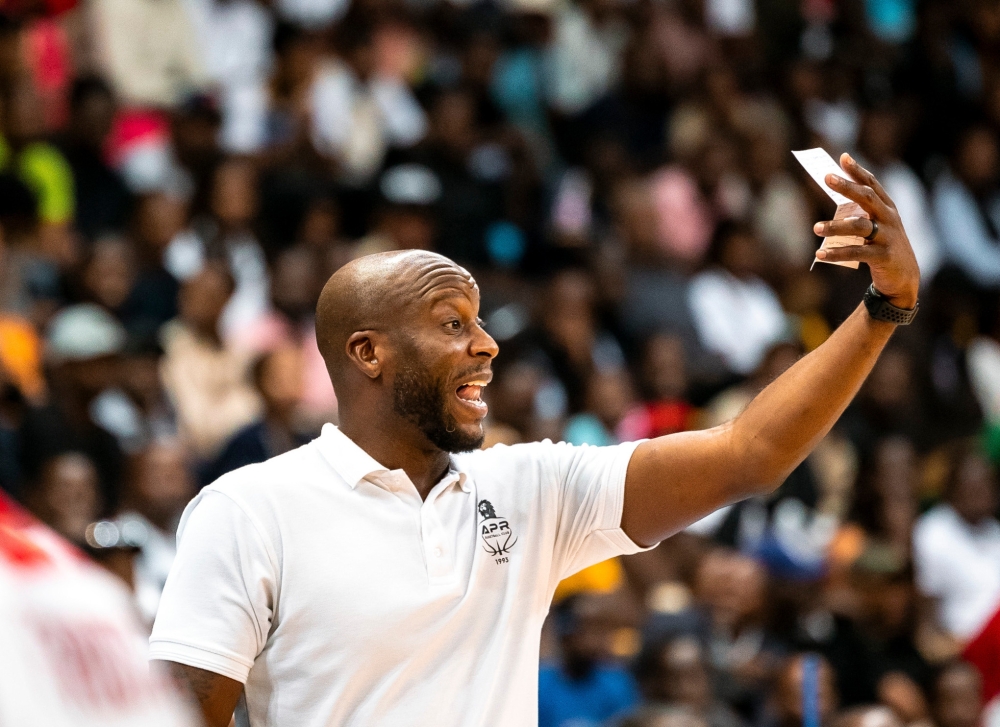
[[789, 417], [674, 480]]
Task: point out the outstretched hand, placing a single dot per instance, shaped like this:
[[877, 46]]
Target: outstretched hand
[[889, 256]]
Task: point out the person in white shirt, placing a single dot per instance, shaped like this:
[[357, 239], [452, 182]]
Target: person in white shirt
[[387, 574], [73, 653], [956, 548], [737, 315]]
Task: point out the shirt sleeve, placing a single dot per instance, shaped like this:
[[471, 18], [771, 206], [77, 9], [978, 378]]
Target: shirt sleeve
[[216, 608], [592, 495]]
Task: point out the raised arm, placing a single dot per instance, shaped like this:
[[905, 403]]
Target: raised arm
[[215, 694], [674, 480]]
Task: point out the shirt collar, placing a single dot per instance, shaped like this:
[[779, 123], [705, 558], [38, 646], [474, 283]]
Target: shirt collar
[[348, 460], [354, 464]]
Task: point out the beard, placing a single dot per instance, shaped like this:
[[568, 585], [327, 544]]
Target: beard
[[421, 399]]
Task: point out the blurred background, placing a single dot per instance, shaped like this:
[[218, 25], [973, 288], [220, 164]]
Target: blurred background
[[178, 178]]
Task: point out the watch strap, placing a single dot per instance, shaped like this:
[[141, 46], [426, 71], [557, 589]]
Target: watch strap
[[881, 309]]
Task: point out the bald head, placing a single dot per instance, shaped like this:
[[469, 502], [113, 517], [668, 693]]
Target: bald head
[[406, 351], [374, 293]]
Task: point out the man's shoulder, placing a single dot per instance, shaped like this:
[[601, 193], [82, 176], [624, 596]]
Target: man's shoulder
[[510, 456], [537, 461], [281, 472]]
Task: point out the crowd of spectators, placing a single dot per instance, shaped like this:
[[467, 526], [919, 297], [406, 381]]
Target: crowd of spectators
[[178, 178]]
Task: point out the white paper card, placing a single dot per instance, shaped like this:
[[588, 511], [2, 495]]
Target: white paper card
[[818, 163]]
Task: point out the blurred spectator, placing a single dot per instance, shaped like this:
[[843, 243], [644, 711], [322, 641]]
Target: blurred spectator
[[235, 43], [609, 396], [663, 380], [205, 379], [732, 590], [24, 151], [227, 234], [737, 315], [967, 207], [295, 287], [885, 503], [358, 113], [159, 486], [158, 219], [805, 682], [102, 199], [469, 171], [21, 357], [278, 377], [136, 410], [583, 688], [871, 644], [405, 218], [888, 404], [67, 496], [108, 278], [781, 214], [881, 145], [585, 54], [956, 546], [680, 677], [82, 348], [568, 335], [149, 50], [957, 695]]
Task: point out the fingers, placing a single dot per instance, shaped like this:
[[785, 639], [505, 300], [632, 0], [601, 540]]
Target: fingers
[[863, 176], [870, 254], [849, 227], [861, 193]]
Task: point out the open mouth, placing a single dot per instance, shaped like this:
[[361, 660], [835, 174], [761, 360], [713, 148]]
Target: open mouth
[[471, 394]]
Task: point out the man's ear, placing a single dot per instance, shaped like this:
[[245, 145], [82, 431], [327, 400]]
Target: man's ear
[[363, 348]]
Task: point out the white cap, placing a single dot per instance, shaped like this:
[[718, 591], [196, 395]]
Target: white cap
[[82, 332]]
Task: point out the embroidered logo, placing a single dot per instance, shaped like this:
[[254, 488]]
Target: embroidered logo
[[495, 531]]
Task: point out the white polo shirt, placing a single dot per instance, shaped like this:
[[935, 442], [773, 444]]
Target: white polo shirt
[[325, 584]]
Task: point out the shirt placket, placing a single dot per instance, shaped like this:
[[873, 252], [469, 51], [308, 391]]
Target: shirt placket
[[439, 548]]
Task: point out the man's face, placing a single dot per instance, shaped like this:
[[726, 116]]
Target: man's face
[[443, 362]]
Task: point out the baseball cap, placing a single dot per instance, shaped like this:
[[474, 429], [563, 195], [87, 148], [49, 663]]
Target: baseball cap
[[83, 331]]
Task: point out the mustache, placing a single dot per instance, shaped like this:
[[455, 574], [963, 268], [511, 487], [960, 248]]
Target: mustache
[[472, 371]]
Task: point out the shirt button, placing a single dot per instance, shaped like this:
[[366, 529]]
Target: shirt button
[[438, 552]]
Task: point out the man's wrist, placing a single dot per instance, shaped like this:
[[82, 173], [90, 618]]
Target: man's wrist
[[906, 302], [899, 310]]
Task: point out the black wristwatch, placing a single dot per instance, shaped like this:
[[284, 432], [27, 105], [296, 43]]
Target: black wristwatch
[[881, 309]]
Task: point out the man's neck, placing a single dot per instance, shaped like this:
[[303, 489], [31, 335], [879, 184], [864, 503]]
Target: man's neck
[[422, 462]]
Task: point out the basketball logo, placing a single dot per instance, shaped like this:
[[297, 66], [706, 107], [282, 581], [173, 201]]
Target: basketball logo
[[495, 532]]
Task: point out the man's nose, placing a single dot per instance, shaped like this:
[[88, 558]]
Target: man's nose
[[484, 345]]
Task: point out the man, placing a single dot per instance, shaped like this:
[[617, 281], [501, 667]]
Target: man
[[373, 577], [72, 648]]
